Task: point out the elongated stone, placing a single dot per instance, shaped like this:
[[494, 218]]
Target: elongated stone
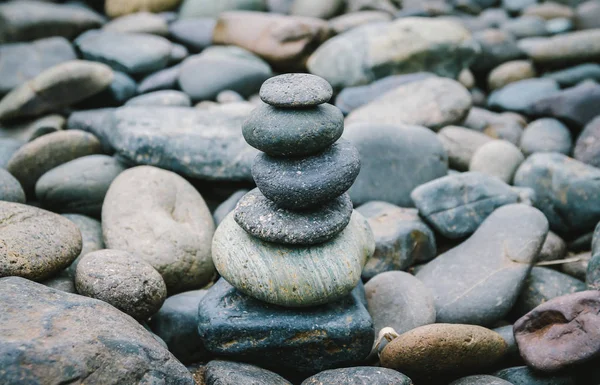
[[290, 275]]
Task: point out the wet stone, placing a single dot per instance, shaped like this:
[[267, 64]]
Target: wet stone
[[263, 219]]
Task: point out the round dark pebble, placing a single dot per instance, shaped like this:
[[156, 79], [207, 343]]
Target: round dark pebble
[[262, 218]]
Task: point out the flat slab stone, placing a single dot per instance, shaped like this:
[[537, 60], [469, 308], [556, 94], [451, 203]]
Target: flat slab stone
[[237, 326], [263, 219], [292, 276], [296, 91]]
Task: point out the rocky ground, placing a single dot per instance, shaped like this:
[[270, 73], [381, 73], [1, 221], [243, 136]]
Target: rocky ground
[[315, 192]]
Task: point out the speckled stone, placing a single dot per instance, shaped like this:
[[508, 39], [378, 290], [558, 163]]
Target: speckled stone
[[436, 351], [219, 372], [197, 143], [522, 375], [561, 333], [128, 283], [479, 280], [91, 236], [263, 219], [176, 323], [36, 244], [546, 135], [132, 53], [314, 339], [296, 90], [407, 156], [567, 190], [10, 188], [37, 157], [297, 183], [55, 88], [456, 205], [360, 375], [399, 300], [401, 238], [480, 379], [498, 158], [75, 338], [293, 132], [161, 98], [78, 186], [160, 217], [542, 285], [288, 275]]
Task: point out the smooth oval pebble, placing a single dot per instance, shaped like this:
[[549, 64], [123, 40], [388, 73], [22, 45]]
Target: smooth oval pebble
[[128, 283], [307, 182], [498, 158], [290, 275], [262, 218], [441, 350], [560, 333], [34, 243], [360, 375], [295, 90], [10, 188], [281, 132]]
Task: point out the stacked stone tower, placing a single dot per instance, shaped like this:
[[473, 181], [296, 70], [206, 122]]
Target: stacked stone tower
[[295, 240]]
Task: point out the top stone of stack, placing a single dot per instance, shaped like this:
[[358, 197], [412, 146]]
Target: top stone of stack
[[296, 91]]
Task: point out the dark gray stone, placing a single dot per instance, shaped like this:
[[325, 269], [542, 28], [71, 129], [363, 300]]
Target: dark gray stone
[[554, 248], [20, 62], [55, 88], [587, 147], [542, 285], [234, 373], [10, 188], [263, 219], [394, 160], [480, 379], [30, 20], [497, 47], [576, 106], [195, 33], [76, 339], [297, 183], [561, 333], [522, 375], [160, 80], [479, 281], [350, 98], [132, 53], [293, 132], [198, 143], [360, 375], [456, 205], [78, 186], [127, 282], [569, 77], [401, 238], [41, 155], [234, 325], [399, 300], [36, 244], [577, 268], [63, 281], [546, 135], [592, 277], [568, 191], [121, 89], [161, 98], [506, 332], [295, 91], [227, 206], [522, 95], [203, 76], [176, 323], [91, 236], [7, 148]]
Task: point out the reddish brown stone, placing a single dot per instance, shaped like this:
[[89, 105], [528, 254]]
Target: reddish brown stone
[[561, 332]]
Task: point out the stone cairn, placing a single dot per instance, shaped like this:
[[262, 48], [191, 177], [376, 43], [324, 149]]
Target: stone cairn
[[301, 244]]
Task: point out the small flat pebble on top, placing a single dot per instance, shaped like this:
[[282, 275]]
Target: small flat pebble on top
[[296, 90]]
